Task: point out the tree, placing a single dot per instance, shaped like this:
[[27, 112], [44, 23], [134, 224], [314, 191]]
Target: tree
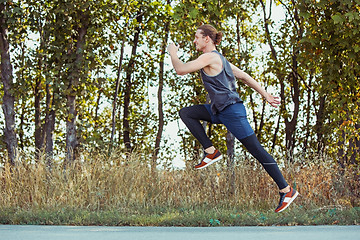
[[128, 80], [286, 66], [331, 45], [7, 10], [239, 52], [164, 43], [73, 55], [74, 81], [119, 69], [39, 21]]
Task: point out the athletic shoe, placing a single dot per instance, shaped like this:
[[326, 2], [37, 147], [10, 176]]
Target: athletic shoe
[[209, 159], [286, 199]]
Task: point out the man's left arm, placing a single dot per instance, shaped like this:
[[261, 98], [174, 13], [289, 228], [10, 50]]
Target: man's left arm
[[251, 82]]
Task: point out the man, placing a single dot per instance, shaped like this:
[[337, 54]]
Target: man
[[226, 107]]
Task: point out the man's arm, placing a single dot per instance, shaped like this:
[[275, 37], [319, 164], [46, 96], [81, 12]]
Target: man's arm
[[245, 78], [188, 67]]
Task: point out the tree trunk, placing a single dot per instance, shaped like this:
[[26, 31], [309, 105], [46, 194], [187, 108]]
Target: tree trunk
[[23, 99], [320, 114], [356, 149], [74, 79], [49, 126], [308, 115], [275, 134], [262, 122], [279, 75], [290, 125], [37, 99], [71, 139], [116, 92], [8, 98], [49, 142], [128, 84], [21, 132], [230, 143], [341, 159], [98, 99], [252, 104], [159, 95]]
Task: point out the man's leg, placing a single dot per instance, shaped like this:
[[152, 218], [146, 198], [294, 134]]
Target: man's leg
[[191, 116], [253, 145], [234, 118]]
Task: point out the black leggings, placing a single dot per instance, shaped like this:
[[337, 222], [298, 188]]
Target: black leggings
[[191, 116]]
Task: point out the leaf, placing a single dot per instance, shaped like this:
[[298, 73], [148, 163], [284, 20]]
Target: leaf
[[338, 19], [193, 13], [356, 48], [305, 15]]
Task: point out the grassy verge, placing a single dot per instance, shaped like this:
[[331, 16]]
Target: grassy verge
[[116, 191], [182, 217]]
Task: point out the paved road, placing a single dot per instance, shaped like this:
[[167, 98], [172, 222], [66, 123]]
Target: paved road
[[15, 232]]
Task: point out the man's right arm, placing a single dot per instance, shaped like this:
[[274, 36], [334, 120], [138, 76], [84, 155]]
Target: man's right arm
[[188, 67]]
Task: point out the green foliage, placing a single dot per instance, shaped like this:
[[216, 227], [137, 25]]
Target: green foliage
[[331, 48], [190, 217], [315, 70]]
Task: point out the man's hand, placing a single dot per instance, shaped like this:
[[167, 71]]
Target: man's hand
[[274, 101], [172, 49]]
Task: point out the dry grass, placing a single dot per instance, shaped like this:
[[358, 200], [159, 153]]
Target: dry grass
[[99, 182]]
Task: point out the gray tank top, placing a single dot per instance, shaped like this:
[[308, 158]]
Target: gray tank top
[[221, 87]]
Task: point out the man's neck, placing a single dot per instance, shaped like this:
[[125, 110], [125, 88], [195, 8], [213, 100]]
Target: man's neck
[[209, 48]]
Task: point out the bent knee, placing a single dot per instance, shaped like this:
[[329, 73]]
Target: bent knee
[[183, 112]]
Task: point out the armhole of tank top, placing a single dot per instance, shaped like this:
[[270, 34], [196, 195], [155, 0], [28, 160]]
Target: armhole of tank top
[[222, 58]]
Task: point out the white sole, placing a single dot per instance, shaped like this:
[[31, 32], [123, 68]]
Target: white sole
[[291, 200], [213, 161]]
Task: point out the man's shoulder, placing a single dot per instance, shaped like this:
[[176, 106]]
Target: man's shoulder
[[206, 57], [210, 55]]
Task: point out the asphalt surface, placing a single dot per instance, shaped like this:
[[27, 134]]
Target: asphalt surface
[[15, 232]]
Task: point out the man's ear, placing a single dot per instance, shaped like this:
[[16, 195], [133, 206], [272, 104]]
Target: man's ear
[[207, 39]]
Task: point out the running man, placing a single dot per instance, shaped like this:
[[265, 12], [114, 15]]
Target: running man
[[218, 76]]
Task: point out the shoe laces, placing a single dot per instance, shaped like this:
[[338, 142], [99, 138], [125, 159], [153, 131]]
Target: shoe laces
[[282, 197]]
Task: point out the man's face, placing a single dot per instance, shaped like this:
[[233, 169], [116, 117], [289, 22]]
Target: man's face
[[200, 41]]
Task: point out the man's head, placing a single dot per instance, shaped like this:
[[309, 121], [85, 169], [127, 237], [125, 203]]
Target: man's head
[[206, 35]]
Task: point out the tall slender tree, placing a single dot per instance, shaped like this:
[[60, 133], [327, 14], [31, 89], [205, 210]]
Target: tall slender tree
[[117, 85], [74, 81], [8, 84], [128, 81], [161, 123]]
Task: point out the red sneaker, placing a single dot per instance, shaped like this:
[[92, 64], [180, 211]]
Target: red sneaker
[[209, 159], [286, 199]]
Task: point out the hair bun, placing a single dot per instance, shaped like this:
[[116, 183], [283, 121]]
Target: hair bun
[[218, 38]]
